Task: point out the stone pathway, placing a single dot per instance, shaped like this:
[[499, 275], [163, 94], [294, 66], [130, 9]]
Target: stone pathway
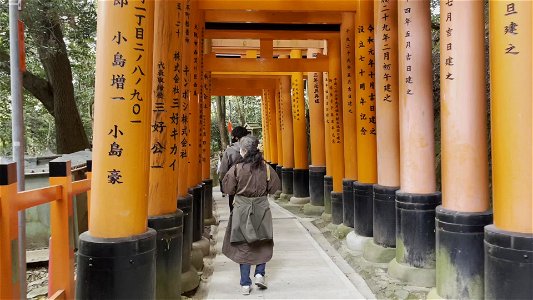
[[299, 269]]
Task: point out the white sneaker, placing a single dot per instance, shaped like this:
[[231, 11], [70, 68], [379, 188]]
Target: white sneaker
[[245, 289], [260, 281]]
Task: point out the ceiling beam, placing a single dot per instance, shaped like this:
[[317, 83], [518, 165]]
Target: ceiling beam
[[246, 75], [238, 46], [277, 44], [278, 17], [266, 49], [281, 5], [214, 64], [242, 52], [271, 75], [270, 34]]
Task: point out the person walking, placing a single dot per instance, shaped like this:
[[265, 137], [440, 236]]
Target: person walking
[[231, 156], [249, 238]]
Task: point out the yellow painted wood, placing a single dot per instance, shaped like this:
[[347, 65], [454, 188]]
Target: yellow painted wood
[[259, 65], [272, 17], [365, 93], [286, 122], [206, 159], [511, 100], [465, 175], [316, 114], [270, 34], [280, 47], [62, 247], [277, 100], [233, 51], [327, 126], [387, 103], [417, 146], [334, 115], [267, 48], [193, 97], [272, 126], [249, 54], [281, 5], [119, 204], [10, 287], [206, 102], [249, 74], [183, 59], [163, 178], [298, 117], [264, 121], [349, 99], [198, 63]]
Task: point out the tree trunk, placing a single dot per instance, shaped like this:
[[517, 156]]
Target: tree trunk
[[221, 120], [70, 134], [240, 111]]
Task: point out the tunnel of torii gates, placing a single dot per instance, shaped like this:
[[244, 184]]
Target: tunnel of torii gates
[[368, 69]]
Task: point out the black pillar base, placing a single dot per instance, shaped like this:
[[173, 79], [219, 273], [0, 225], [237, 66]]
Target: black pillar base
[[328, 188], [336, 208], [300, 181], [197, 214], [287, 181], [117, 268], [508, 264], [384, 230], [460, 253], [185, 205], [316, 185], [208, 199], [168, 259], [278, 171], [348, 202], [363, 197], [415, 229]]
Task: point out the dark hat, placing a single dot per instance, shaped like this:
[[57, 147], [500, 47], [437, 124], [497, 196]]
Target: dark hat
[[239, 131]]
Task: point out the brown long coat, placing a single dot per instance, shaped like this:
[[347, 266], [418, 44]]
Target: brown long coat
[[244, 181]]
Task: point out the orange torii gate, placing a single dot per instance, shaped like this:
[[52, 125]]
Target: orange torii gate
[[372, 167]]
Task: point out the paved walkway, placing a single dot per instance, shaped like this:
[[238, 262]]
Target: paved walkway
[[299, 269]]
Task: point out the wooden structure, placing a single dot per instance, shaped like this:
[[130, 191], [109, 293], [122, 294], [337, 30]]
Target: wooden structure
[[367, 68]]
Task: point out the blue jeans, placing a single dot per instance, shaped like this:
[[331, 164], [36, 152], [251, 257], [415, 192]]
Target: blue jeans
[[245, 272]]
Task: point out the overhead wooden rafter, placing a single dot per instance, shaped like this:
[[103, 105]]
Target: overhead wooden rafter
[[270, 34], [214, 64], [279, 5], [280, 47], [277, 44], [278, 17], [246, 75]]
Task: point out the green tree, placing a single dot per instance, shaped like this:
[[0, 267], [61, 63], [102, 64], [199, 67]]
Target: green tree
[[58, 83]]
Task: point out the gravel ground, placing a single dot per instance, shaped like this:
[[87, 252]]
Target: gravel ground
[[37, 279]]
